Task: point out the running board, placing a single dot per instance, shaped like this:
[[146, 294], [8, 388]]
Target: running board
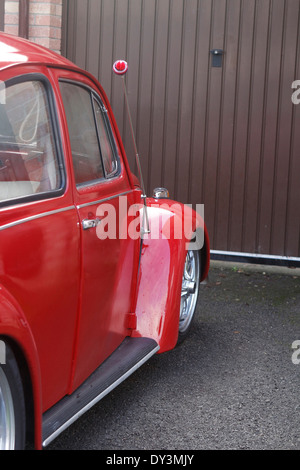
[[127, 358]]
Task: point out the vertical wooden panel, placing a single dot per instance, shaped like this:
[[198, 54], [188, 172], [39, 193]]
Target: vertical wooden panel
[[119, 52], [272, 95], [241, 124], [81, 28], [2, 9], [292, 242], [106, 50], [215, 96], [93, 36], [68, 30], [172, 94], [226, 137], [186, 101], [281, 183], [145, 91], [64, 32], [24, 18], [256, 115], [199, 119], [132, 78], [227, 126], [159, 73]]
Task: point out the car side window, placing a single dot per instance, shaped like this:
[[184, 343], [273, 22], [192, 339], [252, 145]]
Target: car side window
[[82, 131], [106, 141], [93, 152], [28, 159]]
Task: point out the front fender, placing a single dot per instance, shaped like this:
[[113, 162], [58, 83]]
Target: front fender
[[172, 226], [14, 327]]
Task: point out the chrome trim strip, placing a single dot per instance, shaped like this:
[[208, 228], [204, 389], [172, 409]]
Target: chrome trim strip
[[87, 204], [34, 217], [99, 397], [64, 209]]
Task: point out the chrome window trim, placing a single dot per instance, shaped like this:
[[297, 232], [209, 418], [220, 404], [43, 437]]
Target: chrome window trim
[[63, 209], [35, 217], [100, 201]]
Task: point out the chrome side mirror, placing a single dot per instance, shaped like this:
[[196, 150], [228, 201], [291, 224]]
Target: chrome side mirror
[[161, 193]]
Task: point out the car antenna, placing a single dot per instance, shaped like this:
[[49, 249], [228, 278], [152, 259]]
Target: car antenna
[[120, 68]]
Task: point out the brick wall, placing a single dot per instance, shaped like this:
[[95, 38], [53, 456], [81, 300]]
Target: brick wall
[[11, 17], [45, 21]]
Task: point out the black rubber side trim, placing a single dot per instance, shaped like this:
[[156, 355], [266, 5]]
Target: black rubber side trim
[[129, 356]]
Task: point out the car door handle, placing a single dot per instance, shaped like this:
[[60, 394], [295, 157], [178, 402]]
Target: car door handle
[[90, 223]]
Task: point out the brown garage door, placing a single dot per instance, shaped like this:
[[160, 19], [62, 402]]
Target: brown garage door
[[2, 6], [214, 128]]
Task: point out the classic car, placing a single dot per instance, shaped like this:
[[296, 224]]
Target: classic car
[[95, 277]]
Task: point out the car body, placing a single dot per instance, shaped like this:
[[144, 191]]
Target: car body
[[76, 304]]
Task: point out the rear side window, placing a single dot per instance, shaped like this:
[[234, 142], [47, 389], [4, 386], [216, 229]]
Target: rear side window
[[93, 149], [83, 134], [28, 160]]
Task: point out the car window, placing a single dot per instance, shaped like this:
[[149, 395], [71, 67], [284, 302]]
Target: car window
[[28, 160], [82, 131], [90, 136], [106, 140]]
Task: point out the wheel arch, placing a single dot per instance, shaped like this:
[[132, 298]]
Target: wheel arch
[[15, 331], [27, 386], [205, 255], [160, 274]]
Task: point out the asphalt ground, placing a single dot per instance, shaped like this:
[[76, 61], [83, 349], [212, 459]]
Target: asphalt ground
[[233, 384]]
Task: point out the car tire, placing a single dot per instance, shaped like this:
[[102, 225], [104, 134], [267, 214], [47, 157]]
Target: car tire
[[189, 293], [12, 404]]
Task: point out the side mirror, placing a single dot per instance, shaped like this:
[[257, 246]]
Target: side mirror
[[161, 193]]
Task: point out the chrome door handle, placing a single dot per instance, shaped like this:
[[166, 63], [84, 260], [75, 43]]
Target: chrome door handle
[[90, 223]]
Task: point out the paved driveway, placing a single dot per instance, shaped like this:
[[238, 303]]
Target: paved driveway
[[231, 385]]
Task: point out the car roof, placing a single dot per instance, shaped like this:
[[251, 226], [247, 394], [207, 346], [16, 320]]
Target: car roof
[[15, 50]]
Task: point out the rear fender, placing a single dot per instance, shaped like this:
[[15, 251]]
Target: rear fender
[[163, 253], [15, 328]]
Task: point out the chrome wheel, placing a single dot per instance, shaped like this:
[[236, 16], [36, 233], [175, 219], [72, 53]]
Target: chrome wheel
[[7, 415], [189, 290]]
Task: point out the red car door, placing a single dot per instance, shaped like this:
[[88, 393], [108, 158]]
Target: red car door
[[40, 257], [102, 196]]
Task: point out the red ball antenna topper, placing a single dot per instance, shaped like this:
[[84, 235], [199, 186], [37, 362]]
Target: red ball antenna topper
[[120, 67]]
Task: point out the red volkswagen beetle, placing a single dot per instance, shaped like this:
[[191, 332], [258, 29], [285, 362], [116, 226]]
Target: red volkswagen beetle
[[95, 278]]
